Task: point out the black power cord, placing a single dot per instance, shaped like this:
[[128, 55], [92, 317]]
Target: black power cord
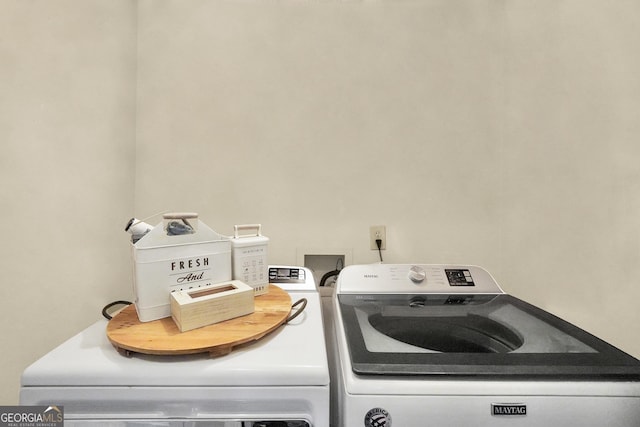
[[379, 245], [330, 274], [327, 276]]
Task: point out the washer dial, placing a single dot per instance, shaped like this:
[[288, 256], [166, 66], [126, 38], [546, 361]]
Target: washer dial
[[417, 274]]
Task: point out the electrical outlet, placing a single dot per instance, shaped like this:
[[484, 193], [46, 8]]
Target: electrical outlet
[[377, 232]]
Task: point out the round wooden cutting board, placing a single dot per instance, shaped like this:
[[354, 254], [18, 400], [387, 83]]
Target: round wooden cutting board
[[128, 334]]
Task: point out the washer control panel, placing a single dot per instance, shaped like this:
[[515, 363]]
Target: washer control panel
[[416, 278]]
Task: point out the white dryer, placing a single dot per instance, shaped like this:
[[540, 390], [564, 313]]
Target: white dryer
[[281, 380], [438, 345]]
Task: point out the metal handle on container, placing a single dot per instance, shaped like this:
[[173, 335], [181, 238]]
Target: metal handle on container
[[180, 215], [237, 228]]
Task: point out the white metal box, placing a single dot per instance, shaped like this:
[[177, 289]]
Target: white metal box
[[164, 263], [250, 258]]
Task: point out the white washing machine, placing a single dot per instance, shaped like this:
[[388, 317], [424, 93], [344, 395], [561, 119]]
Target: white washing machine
[[444, 346], [281, 380]]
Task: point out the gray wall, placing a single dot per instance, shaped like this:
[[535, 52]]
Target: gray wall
[[492, 133], [67, 138]]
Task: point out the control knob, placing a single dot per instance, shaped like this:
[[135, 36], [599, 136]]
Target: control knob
[[417, 274]]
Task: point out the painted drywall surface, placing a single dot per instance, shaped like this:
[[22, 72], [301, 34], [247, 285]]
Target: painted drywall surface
[[499, 134], [320, 119], [571, 188], [67, 128]]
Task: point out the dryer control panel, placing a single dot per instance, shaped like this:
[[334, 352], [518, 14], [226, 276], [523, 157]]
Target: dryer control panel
[[291, 278], [416, 278]]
